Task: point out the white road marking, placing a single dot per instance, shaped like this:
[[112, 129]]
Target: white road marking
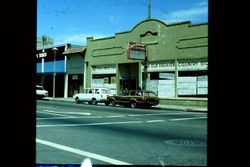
[[175, 113], [88, 124], [152, 121], [83, 153], [60, 112], [52, 113], [70, 117], [132, 115], [181, 119], [155, 114], [115, 116]]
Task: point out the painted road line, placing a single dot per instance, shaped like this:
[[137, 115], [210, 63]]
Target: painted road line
[[133, 115], [60, 112], [115, 116], [52, 113], [181, 119], [83, 153], [89, 124], [153, 121], [72, 117], [175, 113], [155, 114]]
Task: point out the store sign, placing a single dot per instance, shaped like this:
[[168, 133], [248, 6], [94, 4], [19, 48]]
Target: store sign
[[41, 55], [136, 51], [154, 67], [104, 70], [193, 66], [170, 66]]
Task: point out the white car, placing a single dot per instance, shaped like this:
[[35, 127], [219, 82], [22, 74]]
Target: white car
[[93, 96], [41, 92]]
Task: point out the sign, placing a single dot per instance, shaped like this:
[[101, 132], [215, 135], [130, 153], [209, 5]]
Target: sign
[[104, 69], [136, 51], [199, 65], [182, 66], [41, 55]]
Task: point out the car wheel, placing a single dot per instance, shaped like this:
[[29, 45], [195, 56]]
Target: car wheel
[[77, 101], [112, 103], [94, 102], [133, 104]]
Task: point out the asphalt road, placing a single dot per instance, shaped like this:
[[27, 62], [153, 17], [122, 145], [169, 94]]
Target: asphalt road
[[68, 133]]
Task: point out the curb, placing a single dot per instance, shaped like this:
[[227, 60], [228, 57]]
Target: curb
[[203, 110], [195, 110]]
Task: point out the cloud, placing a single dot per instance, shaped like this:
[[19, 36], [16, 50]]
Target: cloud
[[198, 13]]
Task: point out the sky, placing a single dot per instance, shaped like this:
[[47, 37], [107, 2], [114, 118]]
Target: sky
[[71, 21]]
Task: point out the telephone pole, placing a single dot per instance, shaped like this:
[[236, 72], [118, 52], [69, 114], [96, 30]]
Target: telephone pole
[[149, 11]]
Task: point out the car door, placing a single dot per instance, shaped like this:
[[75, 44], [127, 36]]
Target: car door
[[83, 95], [89, 95]]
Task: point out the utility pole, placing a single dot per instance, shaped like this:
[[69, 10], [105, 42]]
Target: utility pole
[[149, 11], [54, 72], [44, 41]]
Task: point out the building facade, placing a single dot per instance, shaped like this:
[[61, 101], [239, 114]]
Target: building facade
[[51, 70], [169, 59], [75, 69]]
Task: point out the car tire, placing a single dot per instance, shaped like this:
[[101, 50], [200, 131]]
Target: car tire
[[133, 104], [77, 101], [94, 102], [112, 103]]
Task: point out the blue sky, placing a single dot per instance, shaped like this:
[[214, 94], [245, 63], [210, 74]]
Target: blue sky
[[71, 21]]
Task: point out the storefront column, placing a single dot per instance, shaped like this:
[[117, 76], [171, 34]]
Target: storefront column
[[42, 70], [176, 79], [66, 85], [117, 79], [140, 74], [85, 75]]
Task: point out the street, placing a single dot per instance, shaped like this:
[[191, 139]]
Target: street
[[67, 133]]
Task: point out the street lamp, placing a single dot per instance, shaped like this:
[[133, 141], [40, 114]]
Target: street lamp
[[54, 71]]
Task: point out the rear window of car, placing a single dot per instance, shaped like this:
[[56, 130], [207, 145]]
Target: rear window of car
[[39, 88]]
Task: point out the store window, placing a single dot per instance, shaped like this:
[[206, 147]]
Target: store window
[[192, 84]]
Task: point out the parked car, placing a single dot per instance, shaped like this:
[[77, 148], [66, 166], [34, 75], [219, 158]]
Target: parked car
[[41, 92], [135, 98], [93, 96]]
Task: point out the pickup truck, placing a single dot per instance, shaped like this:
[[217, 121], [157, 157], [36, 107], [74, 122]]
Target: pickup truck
[[135, 98]]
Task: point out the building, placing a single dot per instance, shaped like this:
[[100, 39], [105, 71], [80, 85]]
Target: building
[[51, 70], [75, 68], [170, 59]]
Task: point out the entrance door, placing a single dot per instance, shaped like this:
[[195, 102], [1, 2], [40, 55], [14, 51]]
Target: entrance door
[[129, 84]]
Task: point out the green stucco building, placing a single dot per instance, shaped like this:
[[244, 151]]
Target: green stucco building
[[170, 59]]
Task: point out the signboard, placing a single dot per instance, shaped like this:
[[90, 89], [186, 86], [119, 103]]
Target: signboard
[[41, 55], [136, 51], [109, 69], [182, 66]]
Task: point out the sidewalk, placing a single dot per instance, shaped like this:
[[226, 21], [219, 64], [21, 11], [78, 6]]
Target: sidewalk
[[169, 107]]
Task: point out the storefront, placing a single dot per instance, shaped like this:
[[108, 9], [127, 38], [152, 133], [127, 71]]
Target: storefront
[[75, 68], [51, 70], [170, 59]]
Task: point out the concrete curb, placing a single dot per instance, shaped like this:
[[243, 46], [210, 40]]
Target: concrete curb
[[168, 107], [196, 110]]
